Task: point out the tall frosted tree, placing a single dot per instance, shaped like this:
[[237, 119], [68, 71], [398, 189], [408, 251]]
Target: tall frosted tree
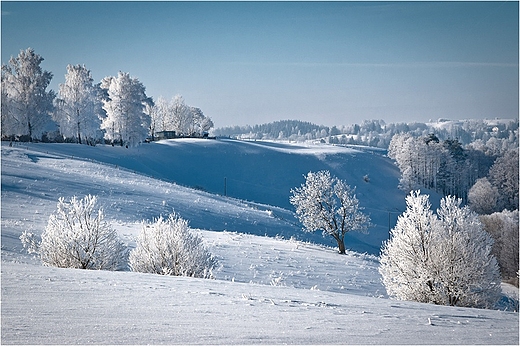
[[442, 259], [78, 105], [29, 105], [8, 127], [161, 116], [126, 122], [326, 203], [152, 111], [200, 122], [181, 115], [504, 176]]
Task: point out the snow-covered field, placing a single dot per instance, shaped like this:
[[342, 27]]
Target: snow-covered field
[[267, 289]]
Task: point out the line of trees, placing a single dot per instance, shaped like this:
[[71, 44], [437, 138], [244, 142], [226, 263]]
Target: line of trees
[[487, 181], [295, 130], [490, 136], [176, 116], [443, 166], [116, 110], [493, 137], [451, 169]]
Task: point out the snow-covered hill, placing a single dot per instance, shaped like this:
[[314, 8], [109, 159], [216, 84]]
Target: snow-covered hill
[[259, 172], [267, 289]]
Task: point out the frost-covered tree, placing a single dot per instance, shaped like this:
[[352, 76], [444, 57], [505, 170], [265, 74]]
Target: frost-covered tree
[[483, 197], [181, 116], [441, 259], [152, 111], [8, 127], [405, 257], [28, 104], [78, 104], [77, 236], [504, 176], [200, 122], [126, 122], [168, 247], [503, 227], [164, 121], [325, 203], [160, 116], [467, 270]]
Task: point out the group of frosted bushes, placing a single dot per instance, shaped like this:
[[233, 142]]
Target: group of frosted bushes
[[77, 236]]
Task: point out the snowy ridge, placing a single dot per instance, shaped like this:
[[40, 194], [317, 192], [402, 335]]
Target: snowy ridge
[[267, 290]]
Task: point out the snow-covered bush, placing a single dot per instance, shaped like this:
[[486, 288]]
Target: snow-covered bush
[[328, 204], [441, 259], [168, 247], [77, 236]]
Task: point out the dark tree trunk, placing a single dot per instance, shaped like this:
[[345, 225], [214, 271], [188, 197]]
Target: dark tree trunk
[[79, 132], [30, 131], [341, 246]]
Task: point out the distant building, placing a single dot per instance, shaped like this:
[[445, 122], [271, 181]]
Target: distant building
[[165, 135]]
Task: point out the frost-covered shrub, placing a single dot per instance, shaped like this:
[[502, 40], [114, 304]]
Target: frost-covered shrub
[[441, 259], [168, 247], [77, 236]]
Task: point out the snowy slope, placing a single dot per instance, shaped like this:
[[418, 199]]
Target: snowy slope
[[262, 172], [267, 290], [43, 305]]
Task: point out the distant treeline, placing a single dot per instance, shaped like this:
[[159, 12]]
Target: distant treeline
[[284, 130], [495, 133]]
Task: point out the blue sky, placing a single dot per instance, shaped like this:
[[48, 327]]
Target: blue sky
[[331, 63]]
